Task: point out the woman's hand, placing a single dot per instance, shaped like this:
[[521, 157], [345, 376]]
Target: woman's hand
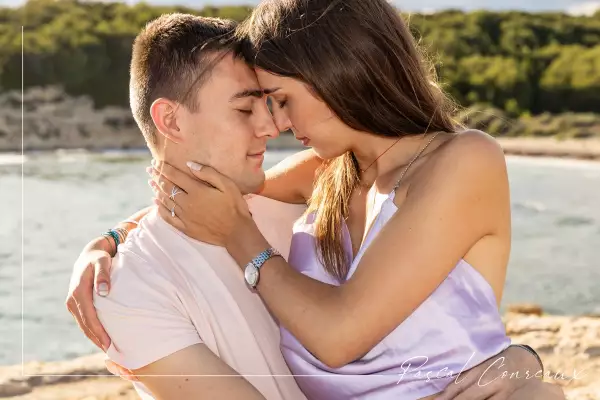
[[201, 202], [91, 270]]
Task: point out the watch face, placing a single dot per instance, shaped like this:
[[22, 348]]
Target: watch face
[[251, 274]]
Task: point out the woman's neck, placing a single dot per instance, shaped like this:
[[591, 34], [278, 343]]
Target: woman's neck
[[379, 156]]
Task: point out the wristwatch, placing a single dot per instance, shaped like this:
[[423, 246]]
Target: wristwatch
[[252, 270]]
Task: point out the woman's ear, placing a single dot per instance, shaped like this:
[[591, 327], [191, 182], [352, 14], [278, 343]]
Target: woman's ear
[[164, 114]]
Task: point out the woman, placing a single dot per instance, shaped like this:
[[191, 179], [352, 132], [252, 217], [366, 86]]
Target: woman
[[408, 225]]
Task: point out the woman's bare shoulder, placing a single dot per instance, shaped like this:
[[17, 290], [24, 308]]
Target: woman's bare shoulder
[[466, 158], [473, 144]]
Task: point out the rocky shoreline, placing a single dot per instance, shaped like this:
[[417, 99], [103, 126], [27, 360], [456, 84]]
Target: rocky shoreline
[[51, 120], [569, 347]]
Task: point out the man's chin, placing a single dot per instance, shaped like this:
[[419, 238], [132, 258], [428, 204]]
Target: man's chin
[[252, 183]]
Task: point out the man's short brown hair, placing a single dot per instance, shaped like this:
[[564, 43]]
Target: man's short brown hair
[[169, 60]]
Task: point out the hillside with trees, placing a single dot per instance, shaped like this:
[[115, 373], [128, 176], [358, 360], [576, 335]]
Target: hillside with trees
[[521, 65]]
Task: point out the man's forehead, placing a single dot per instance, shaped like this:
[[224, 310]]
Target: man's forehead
[[235, 78], [235, 69]]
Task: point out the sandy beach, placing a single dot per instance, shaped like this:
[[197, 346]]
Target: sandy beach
[[569, 347]]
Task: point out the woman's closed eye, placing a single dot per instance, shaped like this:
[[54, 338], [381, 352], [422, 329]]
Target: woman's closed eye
[[247, 112]]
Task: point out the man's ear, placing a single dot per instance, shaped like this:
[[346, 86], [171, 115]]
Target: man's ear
[[164, 115]]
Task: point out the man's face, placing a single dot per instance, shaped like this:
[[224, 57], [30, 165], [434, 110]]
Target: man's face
[[230, 129]]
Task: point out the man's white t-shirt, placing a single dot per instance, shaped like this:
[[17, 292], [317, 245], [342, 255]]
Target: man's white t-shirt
[[169, 291]]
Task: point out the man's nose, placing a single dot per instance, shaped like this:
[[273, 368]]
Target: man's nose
[[267, 128]]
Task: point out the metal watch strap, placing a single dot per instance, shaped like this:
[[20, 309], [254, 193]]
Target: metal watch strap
[[260, 259], [253, 277]]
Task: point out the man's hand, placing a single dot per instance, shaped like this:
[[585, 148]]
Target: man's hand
[[91, 270], [498, 378]]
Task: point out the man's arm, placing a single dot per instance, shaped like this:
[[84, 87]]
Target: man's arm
[[191, 373]]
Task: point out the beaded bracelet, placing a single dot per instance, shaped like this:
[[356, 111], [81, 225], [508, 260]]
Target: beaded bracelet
[[118, 235], [122, 232], [113, 234]]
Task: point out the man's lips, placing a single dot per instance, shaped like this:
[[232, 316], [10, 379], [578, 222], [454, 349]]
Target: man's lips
[[257, 154]]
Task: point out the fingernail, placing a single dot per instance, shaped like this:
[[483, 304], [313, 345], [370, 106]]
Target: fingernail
[[127, 374], [103, 289], [194, 166], [153, 162], [149, 170], [111, 367]]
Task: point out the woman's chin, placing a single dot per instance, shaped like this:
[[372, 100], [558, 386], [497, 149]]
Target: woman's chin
[[326, 154]]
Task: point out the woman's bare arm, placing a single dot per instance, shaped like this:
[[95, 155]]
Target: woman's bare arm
[[92, 270], [291, 180], [440, 220], [108, 244]]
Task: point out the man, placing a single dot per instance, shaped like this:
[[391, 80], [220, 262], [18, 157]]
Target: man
[[178, 313], [178, 307]]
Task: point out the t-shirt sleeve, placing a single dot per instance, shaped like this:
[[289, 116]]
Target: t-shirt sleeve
[[143, 314]]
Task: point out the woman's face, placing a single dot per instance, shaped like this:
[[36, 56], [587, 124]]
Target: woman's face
[[298, 109]]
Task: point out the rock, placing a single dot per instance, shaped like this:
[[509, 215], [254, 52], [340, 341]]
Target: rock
[[525, 308], [593, 351], [13, 388], [531, 323]]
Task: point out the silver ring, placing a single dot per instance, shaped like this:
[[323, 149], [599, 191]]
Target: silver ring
[[173, 212], [174, 192]]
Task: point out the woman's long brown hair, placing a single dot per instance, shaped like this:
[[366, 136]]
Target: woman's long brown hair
[[361, 59]]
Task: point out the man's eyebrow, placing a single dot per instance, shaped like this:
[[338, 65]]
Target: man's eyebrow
[[247, 93], [270, 91]]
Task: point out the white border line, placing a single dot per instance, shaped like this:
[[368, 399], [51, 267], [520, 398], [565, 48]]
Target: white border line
[[22, 208]]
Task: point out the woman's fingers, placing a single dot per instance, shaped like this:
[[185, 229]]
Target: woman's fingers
[[163, 184], [72, 307], [167, 216], [83, 325], [94, 325], [174, 176], [102, 276], [210, 176], [120, 371], [172, 204]]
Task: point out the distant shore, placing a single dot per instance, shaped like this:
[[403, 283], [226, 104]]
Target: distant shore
[[587, 149], [568, 345], [584, 149], [55, 120]]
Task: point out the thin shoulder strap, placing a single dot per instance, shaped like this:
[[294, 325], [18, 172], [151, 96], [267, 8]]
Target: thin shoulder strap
[[397, 185]]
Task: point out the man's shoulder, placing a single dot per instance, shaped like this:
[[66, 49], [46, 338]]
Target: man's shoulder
[[148, 246], [142, 270]]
